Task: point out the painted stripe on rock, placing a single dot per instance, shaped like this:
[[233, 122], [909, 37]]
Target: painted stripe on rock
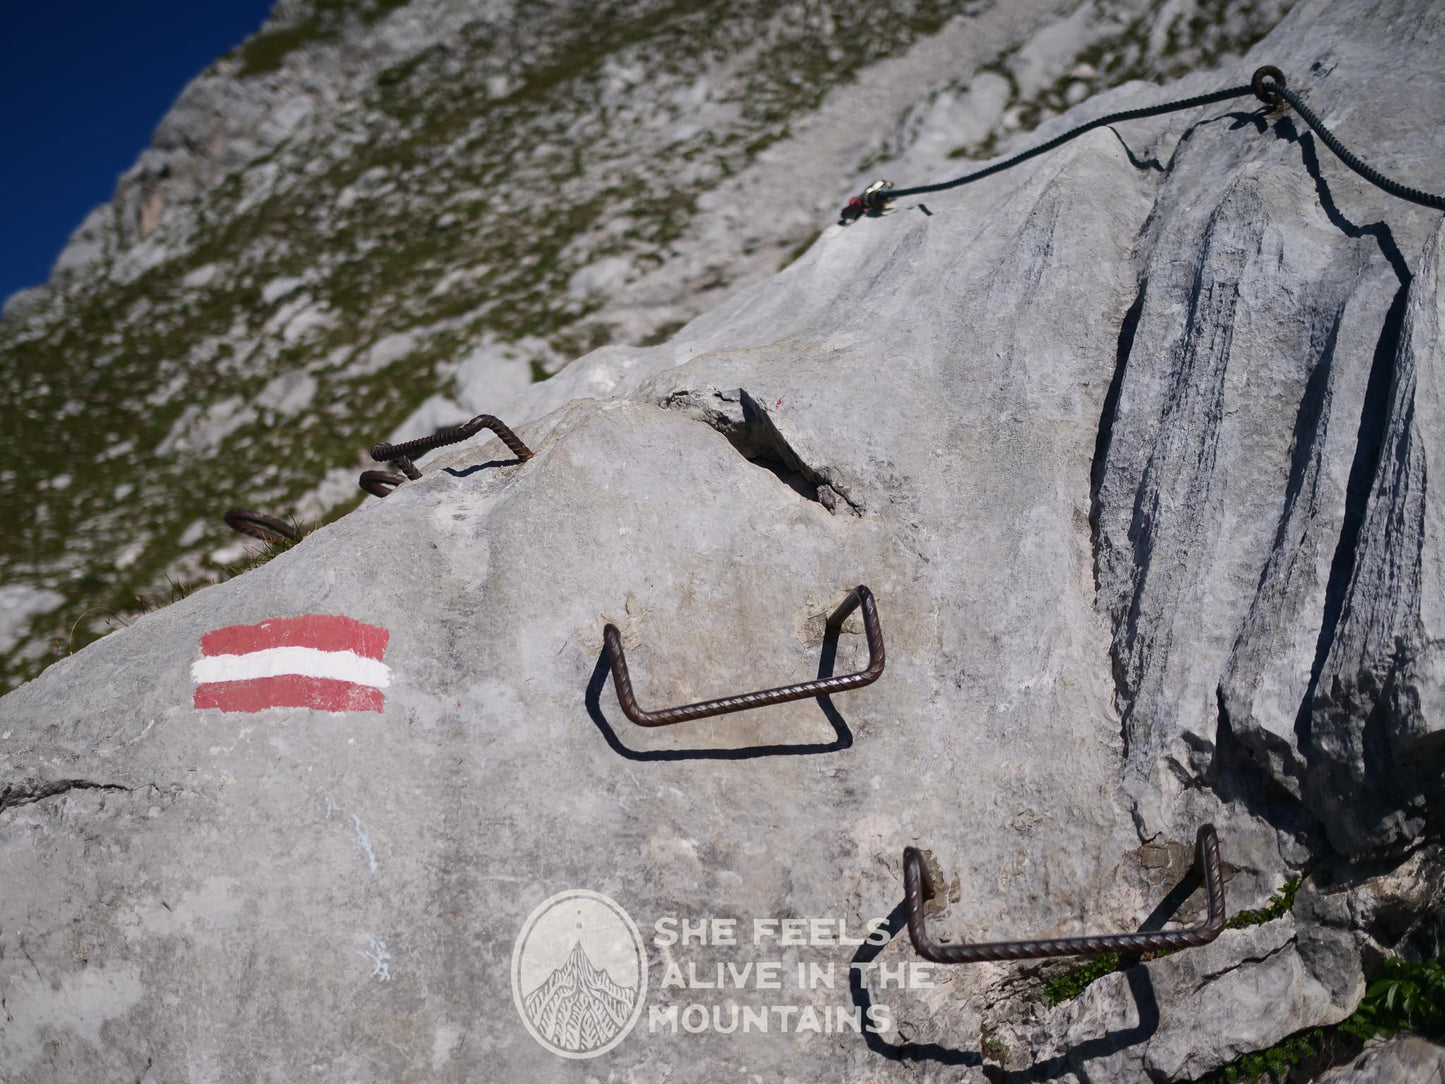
[[304, 661], [324, 632], [289, 691]]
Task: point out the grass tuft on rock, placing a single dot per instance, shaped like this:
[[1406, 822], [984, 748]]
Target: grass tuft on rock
[[1278, 906], [1073, 982], [1408, 995]]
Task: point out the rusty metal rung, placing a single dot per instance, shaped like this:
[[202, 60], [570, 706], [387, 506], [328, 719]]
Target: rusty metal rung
[[918, 886], [260, 525], [859, 596], [379, 483]]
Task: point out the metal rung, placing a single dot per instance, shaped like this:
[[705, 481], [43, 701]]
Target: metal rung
[[859, 596], [260, 525], [919, 886], [379, 482]]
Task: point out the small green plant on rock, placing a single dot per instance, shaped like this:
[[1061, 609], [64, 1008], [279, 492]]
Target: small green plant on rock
[[1277, 907], [1071, 983], [1407, 995], [1272, 1064], [993, 1048]]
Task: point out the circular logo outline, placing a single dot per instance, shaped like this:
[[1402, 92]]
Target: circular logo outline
[[519, 949]]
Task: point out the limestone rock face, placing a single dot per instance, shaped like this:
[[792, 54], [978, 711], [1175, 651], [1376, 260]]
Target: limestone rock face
[[1132, 444], [1408, 1060], [415, 206]]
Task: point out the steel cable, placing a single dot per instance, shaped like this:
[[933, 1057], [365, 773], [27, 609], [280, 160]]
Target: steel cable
[[1343, 153], [1074, 133], [1268, 84]]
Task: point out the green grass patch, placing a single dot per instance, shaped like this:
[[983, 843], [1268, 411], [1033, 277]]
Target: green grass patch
[[1071, 983], [266, 51], [661, 334], [1408, 995], [1278, 906], [1272, 1064], [993, 1048]]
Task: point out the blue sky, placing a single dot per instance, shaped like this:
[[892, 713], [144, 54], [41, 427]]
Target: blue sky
[[83, 83]]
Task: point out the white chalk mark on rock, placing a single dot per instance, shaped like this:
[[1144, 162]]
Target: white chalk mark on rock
[[379, 957], [365, 840]]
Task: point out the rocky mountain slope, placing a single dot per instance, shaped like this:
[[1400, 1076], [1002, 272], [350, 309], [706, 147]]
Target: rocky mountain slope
[[1132, 444], [372, 219]]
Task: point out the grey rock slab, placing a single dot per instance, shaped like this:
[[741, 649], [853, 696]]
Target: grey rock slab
[[292, 854], [1384, 664], [1245, 439], [495, 598], [1246, 990], [1406, 1060]]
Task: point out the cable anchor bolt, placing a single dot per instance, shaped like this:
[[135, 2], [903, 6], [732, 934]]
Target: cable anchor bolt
[[1264, 78], [873, 201]]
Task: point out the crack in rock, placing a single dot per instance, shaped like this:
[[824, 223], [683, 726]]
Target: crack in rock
[[1205, 979], [751, 430], [29, 791]]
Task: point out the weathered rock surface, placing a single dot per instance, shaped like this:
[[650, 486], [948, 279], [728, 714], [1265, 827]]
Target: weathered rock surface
[[1408, 1060], [1132, 445], [397, 203]]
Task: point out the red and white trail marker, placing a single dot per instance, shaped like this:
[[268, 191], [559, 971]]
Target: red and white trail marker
[[319, 661]]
